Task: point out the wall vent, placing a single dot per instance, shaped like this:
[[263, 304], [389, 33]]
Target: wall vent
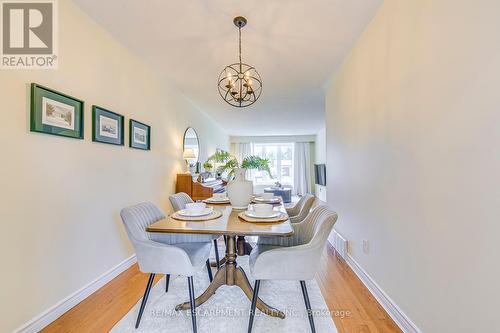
[[339, 243]]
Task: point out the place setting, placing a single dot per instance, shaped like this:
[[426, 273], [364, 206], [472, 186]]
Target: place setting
[[267, 198], [262, 213], [196, 211], [218, 199]]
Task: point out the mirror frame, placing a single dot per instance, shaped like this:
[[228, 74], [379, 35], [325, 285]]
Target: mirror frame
[[197, 140]]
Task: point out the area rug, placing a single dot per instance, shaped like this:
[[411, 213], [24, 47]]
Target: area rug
[[228, 309]]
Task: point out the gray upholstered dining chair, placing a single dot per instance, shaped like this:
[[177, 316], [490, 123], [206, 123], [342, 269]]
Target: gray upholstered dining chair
[[179, 201], [296, 214], [298, 260], [300, 210], [156, 257]]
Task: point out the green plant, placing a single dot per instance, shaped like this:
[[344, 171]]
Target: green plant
[[220, 156], [257, 163], [207, 165], [230, 163]]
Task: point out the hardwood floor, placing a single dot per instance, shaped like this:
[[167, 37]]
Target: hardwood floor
[[355, 310], [359, 312]]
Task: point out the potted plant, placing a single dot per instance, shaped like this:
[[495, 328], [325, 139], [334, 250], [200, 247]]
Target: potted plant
[[239, 190], [208, 166]]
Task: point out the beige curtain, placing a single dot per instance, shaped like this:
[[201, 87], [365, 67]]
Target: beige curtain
[[302, 183], [241, 150]]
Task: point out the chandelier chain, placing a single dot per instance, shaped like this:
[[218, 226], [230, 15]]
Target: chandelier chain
[[239, 32], [241, 67]]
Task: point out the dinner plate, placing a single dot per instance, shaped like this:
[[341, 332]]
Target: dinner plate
[[214, 200], [273, 199], [185, 212], [251, 213]]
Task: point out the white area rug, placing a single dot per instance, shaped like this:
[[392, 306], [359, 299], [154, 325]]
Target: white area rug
[[228, 310]]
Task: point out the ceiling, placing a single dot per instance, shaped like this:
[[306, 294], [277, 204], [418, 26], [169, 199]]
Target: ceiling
[[295, 45]]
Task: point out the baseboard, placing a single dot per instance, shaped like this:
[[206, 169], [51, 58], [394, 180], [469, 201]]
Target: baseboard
[[54, 312], [399, 317]]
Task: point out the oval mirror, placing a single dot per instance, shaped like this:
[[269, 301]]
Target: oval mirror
[[191, 146]]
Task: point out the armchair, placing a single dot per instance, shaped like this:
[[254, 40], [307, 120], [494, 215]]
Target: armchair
[[297, 215], [179, 201], [299, 212], [298, 261], [155, 257]]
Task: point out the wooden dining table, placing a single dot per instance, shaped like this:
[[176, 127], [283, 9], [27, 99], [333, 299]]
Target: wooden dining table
[[232, 227]]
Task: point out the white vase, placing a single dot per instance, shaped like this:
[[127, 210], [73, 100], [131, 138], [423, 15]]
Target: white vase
[[240, 190]]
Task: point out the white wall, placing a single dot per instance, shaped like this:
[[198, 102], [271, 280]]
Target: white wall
[[413, 140], [60, 198], [273, 138], [320, 158]]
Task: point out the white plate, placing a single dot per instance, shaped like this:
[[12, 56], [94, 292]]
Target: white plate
[[185, 212], [251, 213], [273, 199], [217, 200]]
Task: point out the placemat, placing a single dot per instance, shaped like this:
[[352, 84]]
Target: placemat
[[283, 217], [213, 215]]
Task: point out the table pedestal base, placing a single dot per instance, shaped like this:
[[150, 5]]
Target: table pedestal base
[[244, 249], [232, 275]]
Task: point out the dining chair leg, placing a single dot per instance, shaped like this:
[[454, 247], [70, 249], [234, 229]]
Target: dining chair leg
[[308, 305], [192, 302], [209, 270], [145, 299], [216, 249], [254, 304], [167, 282]]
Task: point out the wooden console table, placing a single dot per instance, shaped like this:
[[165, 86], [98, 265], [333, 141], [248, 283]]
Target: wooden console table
[[196, 190]]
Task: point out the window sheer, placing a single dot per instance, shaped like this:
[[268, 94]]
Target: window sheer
[[280, 156]]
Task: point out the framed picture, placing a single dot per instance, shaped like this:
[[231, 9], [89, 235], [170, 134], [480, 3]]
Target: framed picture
[[140, 135], [107, 126], [55, 113]]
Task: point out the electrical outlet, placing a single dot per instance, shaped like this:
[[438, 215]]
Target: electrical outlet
[[366, 246]]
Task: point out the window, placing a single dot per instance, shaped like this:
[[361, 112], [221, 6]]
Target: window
[[280, 156]]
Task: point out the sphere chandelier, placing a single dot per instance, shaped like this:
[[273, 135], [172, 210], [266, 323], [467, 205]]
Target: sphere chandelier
[[240, 84]]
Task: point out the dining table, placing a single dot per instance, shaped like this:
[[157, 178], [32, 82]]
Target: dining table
[[232, 227]]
